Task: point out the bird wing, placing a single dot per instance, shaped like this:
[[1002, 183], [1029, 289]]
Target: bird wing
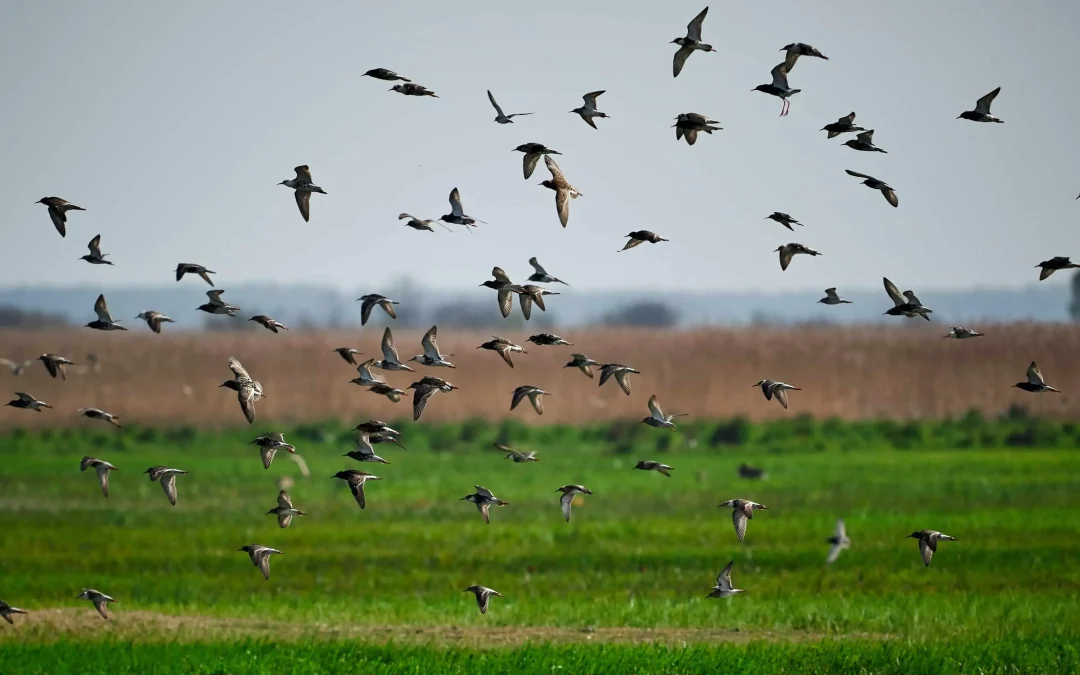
[[623, 378], [102, 309], [723, 580], [654, 408], [983, 104], [483, 491], [556, 173], [431, 349], [215, 297], [562, 205], [246, 397], [893, 292], [421, 397], [590, 100], [59, 220], [679, 61], [632, 243], [506, 302], [866, 137], [779, 76], [848, 119], [303, 174], [566, 501], [168, 484], [356, 485], [537, 266], [859, 175], [834, 553], [526, 302], [841, 531], [500, 275], [237, 369], [482, 596], [283, 500], [529, 163], [284, 519], [927, 549], [455, 203], [738, 517], [95, 246], [365, 310], [496, 105], [261, 558], [23, 396], [693, 29], [831, 292], [785, 257], [910, 295], [99, 604], [519, 394], [303, 202], [267, 455], [389, 350], [1035, 375], [781, 397], [103, 476], [537, 400], [890, 196], [504, 352]]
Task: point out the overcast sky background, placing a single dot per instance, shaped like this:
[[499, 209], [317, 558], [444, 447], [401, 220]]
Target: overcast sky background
[[171, 123]]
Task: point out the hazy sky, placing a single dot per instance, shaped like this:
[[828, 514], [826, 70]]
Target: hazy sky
[[171, 123]]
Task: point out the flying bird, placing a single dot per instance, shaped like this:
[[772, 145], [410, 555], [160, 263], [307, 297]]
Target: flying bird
[[432, 356], [541, 276], [864, 142], [838, 542], [981, 113], [16, 368], [457, 214], [364, 377], [102, 468], [503, 347], [533, 151], [167, 477], [657, 418], [411, 89], [55, 364], [418, 224], [104, 319], [802, 49], [58, 209], [621, 374], [484, 500], [535, 394], [27, 402], [831, 298], [192, 268], [370, 301], [532, 294], [691, 43], [784, 219], [723, 587], [269, 444], [500, 117], [356, 480], [1054, 264], [905, 304], [588, 111], [347, 353], [7, 610], [844, 125], [97, 414], [961, 333], [518, 457], [640, 237], [95, 256], [879, 185], [248, 390], [548, 339], [384, 74], [99, 599], [268, 323], [505, 288], [260, 557], [284, 510], [567, 498], [787, 251], [779, 390], [742, 511], [564, 191], [216, 305], [687, 125], [928, 541], [154, 319], [650, 465], [424, 389], [582, 363], [390, 359], [1035, 382], [302, 189], [483, 595], [779, 85]]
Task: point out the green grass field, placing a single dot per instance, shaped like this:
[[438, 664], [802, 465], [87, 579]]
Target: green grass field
[[621, 588]]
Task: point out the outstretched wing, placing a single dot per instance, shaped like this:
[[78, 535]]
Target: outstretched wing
[[693, 29], [894, 292], [654, 408], [238, 370], [494, 104], [1034, 375], [389, 350], [455, 203], [102, 309], [723, 580], [983, 104]]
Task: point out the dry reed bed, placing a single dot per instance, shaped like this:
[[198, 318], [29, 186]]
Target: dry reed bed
[[900, 370]]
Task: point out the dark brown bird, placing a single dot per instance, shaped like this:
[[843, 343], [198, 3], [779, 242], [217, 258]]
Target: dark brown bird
[[640, 237], [58, 209]]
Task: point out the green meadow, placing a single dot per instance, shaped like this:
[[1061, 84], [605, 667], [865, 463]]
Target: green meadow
[[620, 588]]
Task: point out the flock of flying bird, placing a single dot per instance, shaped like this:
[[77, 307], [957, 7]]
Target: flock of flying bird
[[249, 390]]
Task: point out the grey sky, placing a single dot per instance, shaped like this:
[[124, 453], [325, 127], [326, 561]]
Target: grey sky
[[171, 123]]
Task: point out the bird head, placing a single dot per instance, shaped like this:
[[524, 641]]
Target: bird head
[[757, 384], [760, 87], [914, 535]]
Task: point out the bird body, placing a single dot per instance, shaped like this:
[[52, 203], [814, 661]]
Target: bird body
[[691, 43], [657, 418], [154, 319], [483, 596], [640, 237], [167, 477], [484, 500], [928, 543], [260, 557], [99, 599], [95, 257], [788, 251], [567, 498], [503, 348], [58, 209], [742, 511], [1035, 382], [27, 402], [723, 587], [588, 110], [102, 468], [981, 113], [302, 187], [104, 319], [831, 298], [370, 301]]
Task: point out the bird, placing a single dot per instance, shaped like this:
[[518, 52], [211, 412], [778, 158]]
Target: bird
[[365, 378], [621, 373], [802, 49], [154, 319], [864, 142], [348, 353], [691, 43], [787, 251], [503, 347], [567, 499], [564, 191], [216, 305], [167, 477], [535, 394], [390, 359], [547, 339], [432, 356], [750, 472], [928, 541], [248, 390], [640, 237], [268, 323], [541, 276], [779, 85], [650, 465], [784, 219], [532, 156], [500, 117], [411, 89], [269, 444], [27, 402], [386, 390], [779, 390], [505, 288], [961, 333], [1053, 265], [879, 185], [845, 124], [981, 113], [1035, 383], [369, 302], [483, 500], [96, 414], [58, 209], [424, 389], [687, 125], [356, 480], [905, 304], [831, 298], [102, 468], [302, 188], [657, 418], [260, 557], [16, 369], [365, 453], [742, 510], [7, 610], [532, 294], [582, 363], [192, 268], [723, 587], [384, 74], [95, 257], [284, 510], [376, 427], [99, 599], [104, 319], [418, 224], [483, 595], [838, 542], [588, 111], [518, 457], [55, 364], [457, 213]]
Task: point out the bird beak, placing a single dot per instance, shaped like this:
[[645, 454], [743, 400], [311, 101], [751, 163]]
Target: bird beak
[[959, 116]]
